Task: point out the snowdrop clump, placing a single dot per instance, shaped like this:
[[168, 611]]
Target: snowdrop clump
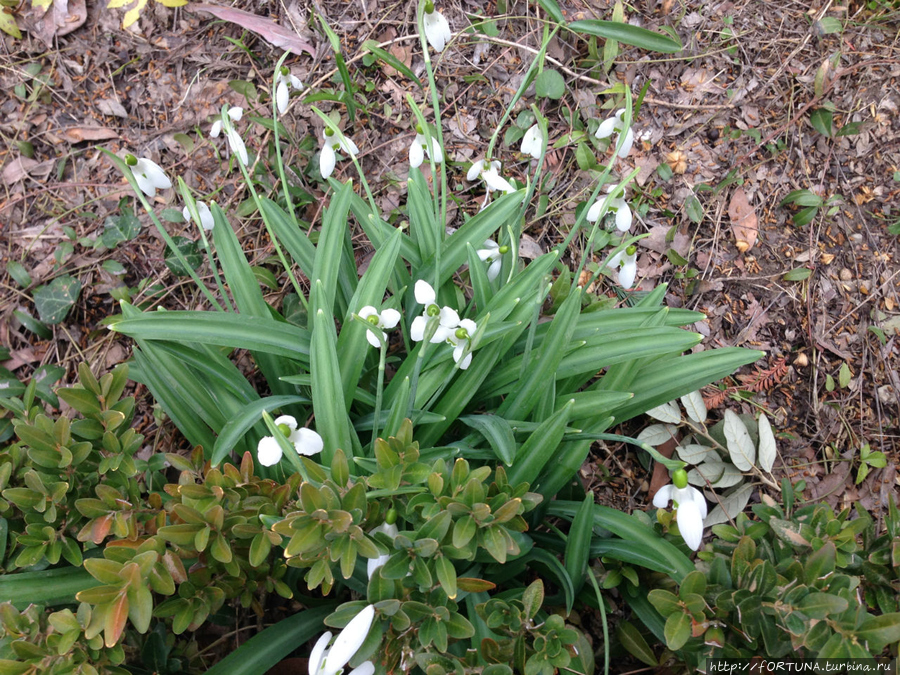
[[618, 206], [235, 142], [332, 141], [148, 174], [690, 507], [490, 174], [284, 82], [419, 148], [305, 441], [616, 124], [387, 318], [450, 329]]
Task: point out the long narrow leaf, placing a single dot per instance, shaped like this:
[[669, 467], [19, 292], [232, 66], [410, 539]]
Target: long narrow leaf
[[332, 422], [539, 447], [579, 542], [328, 252], [49, 587], [295, 241], [422, 225], [630, 35], [498, 433]]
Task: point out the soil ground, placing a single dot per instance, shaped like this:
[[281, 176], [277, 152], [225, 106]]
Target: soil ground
[[731, 116]]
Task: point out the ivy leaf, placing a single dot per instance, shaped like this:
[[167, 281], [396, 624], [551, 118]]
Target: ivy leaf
[[191, 252], [54, 300], [117, 229]]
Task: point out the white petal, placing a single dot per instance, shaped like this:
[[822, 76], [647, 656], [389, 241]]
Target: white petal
[[626, 145], [424, 293], [364, 668], [236, 113], [417, 330], [698, 498], [282, 96], [663, 496], [616, 260], [349, 641], [367, 311], [389, 318], [287, 420], [690, 524], [236, 143], [373, 339], [216, 129], [436, 153], [469, 326], [153, 177], [416, 154], [623, 217], [496, 182], [596, 210], [207, 222], [532, 142], [475, 170], [327, 160], [348, 146], [606, 128], [449, 317], [627, 272], [268, 451], [296, 82], [310, 443], [389, 529], [437, 30], [186, 213], [458, 351], [318, 651], [373, 564], [494, 270]]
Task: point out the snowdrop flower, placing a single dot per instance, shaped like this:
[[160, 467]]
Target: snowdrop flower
[[390, 529], [330, 661], [388, 318], [490, 174], [626, 261], [332, 141], [533, 142], [690, 505], [420, 146], [460, 339], [306, 441], [615, 124], [618, 206], [284, 82], [148, 175], [234, 113], [491, 254], [206, 217], [236, 144], [449, 319], [437, 30]]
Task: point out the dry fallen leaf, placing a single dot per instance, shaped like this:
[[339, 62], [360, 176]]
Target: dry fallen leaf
[[17, 170], [270, 31], [80, 134], [55, 18], [744, 223]]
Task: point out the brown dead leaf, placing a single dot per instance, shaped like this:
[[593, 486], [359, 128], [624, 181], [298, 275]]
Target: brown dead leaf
[[58, 19], [744, 223], [403, 53], [17, 170], [270, 31], [109, 106], [81, 134]]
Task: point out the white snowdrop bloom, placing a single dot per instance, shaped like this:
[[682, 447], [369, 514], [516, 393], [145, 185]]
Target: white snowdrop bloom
[[437, 30], [284, 82], [615, 124], [617, 206], [374, 563], [491, 253], [490, 174], [626, 261], [387, 318], [690, 504], [149, 176], [235, 114], [420, 146], [533, 142], [236, 144], [331, 142], [448, 320], [460, 339], [305, 441], [330, 661], [206, 217]]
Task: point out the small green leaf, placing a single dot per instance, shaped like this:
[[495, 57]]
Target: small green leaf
[[798, 274], [694, 209], [191, 252], [821, 120], [634, 643], [117, 229], [677, 630], [18, 272], [185, 142], [54, 300], [550, 84], [844, 375], [245, 89], [585, 157]]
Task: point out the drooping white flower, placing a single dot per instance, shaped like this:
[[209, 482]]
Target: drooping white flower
[[387, 318], [374, 563], [461, 338], [234, 113], [490, 174], [330, 661], [420, 146], [491, 253], [284, 82], [615, 124], [448, 318], [533, 142], [437, 30], [206, 217], [618, 206], [305, 441], [690, 505], [149, 176], [332, 141], [626, 261], [236, 144]]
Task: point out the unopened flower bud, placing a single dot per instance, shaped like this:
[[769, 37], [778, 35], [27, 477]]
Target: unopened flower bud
[[462, 333], [432, 310], [504, 250], [680, 479], [130, 160], [284, 429], [391, 516]]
